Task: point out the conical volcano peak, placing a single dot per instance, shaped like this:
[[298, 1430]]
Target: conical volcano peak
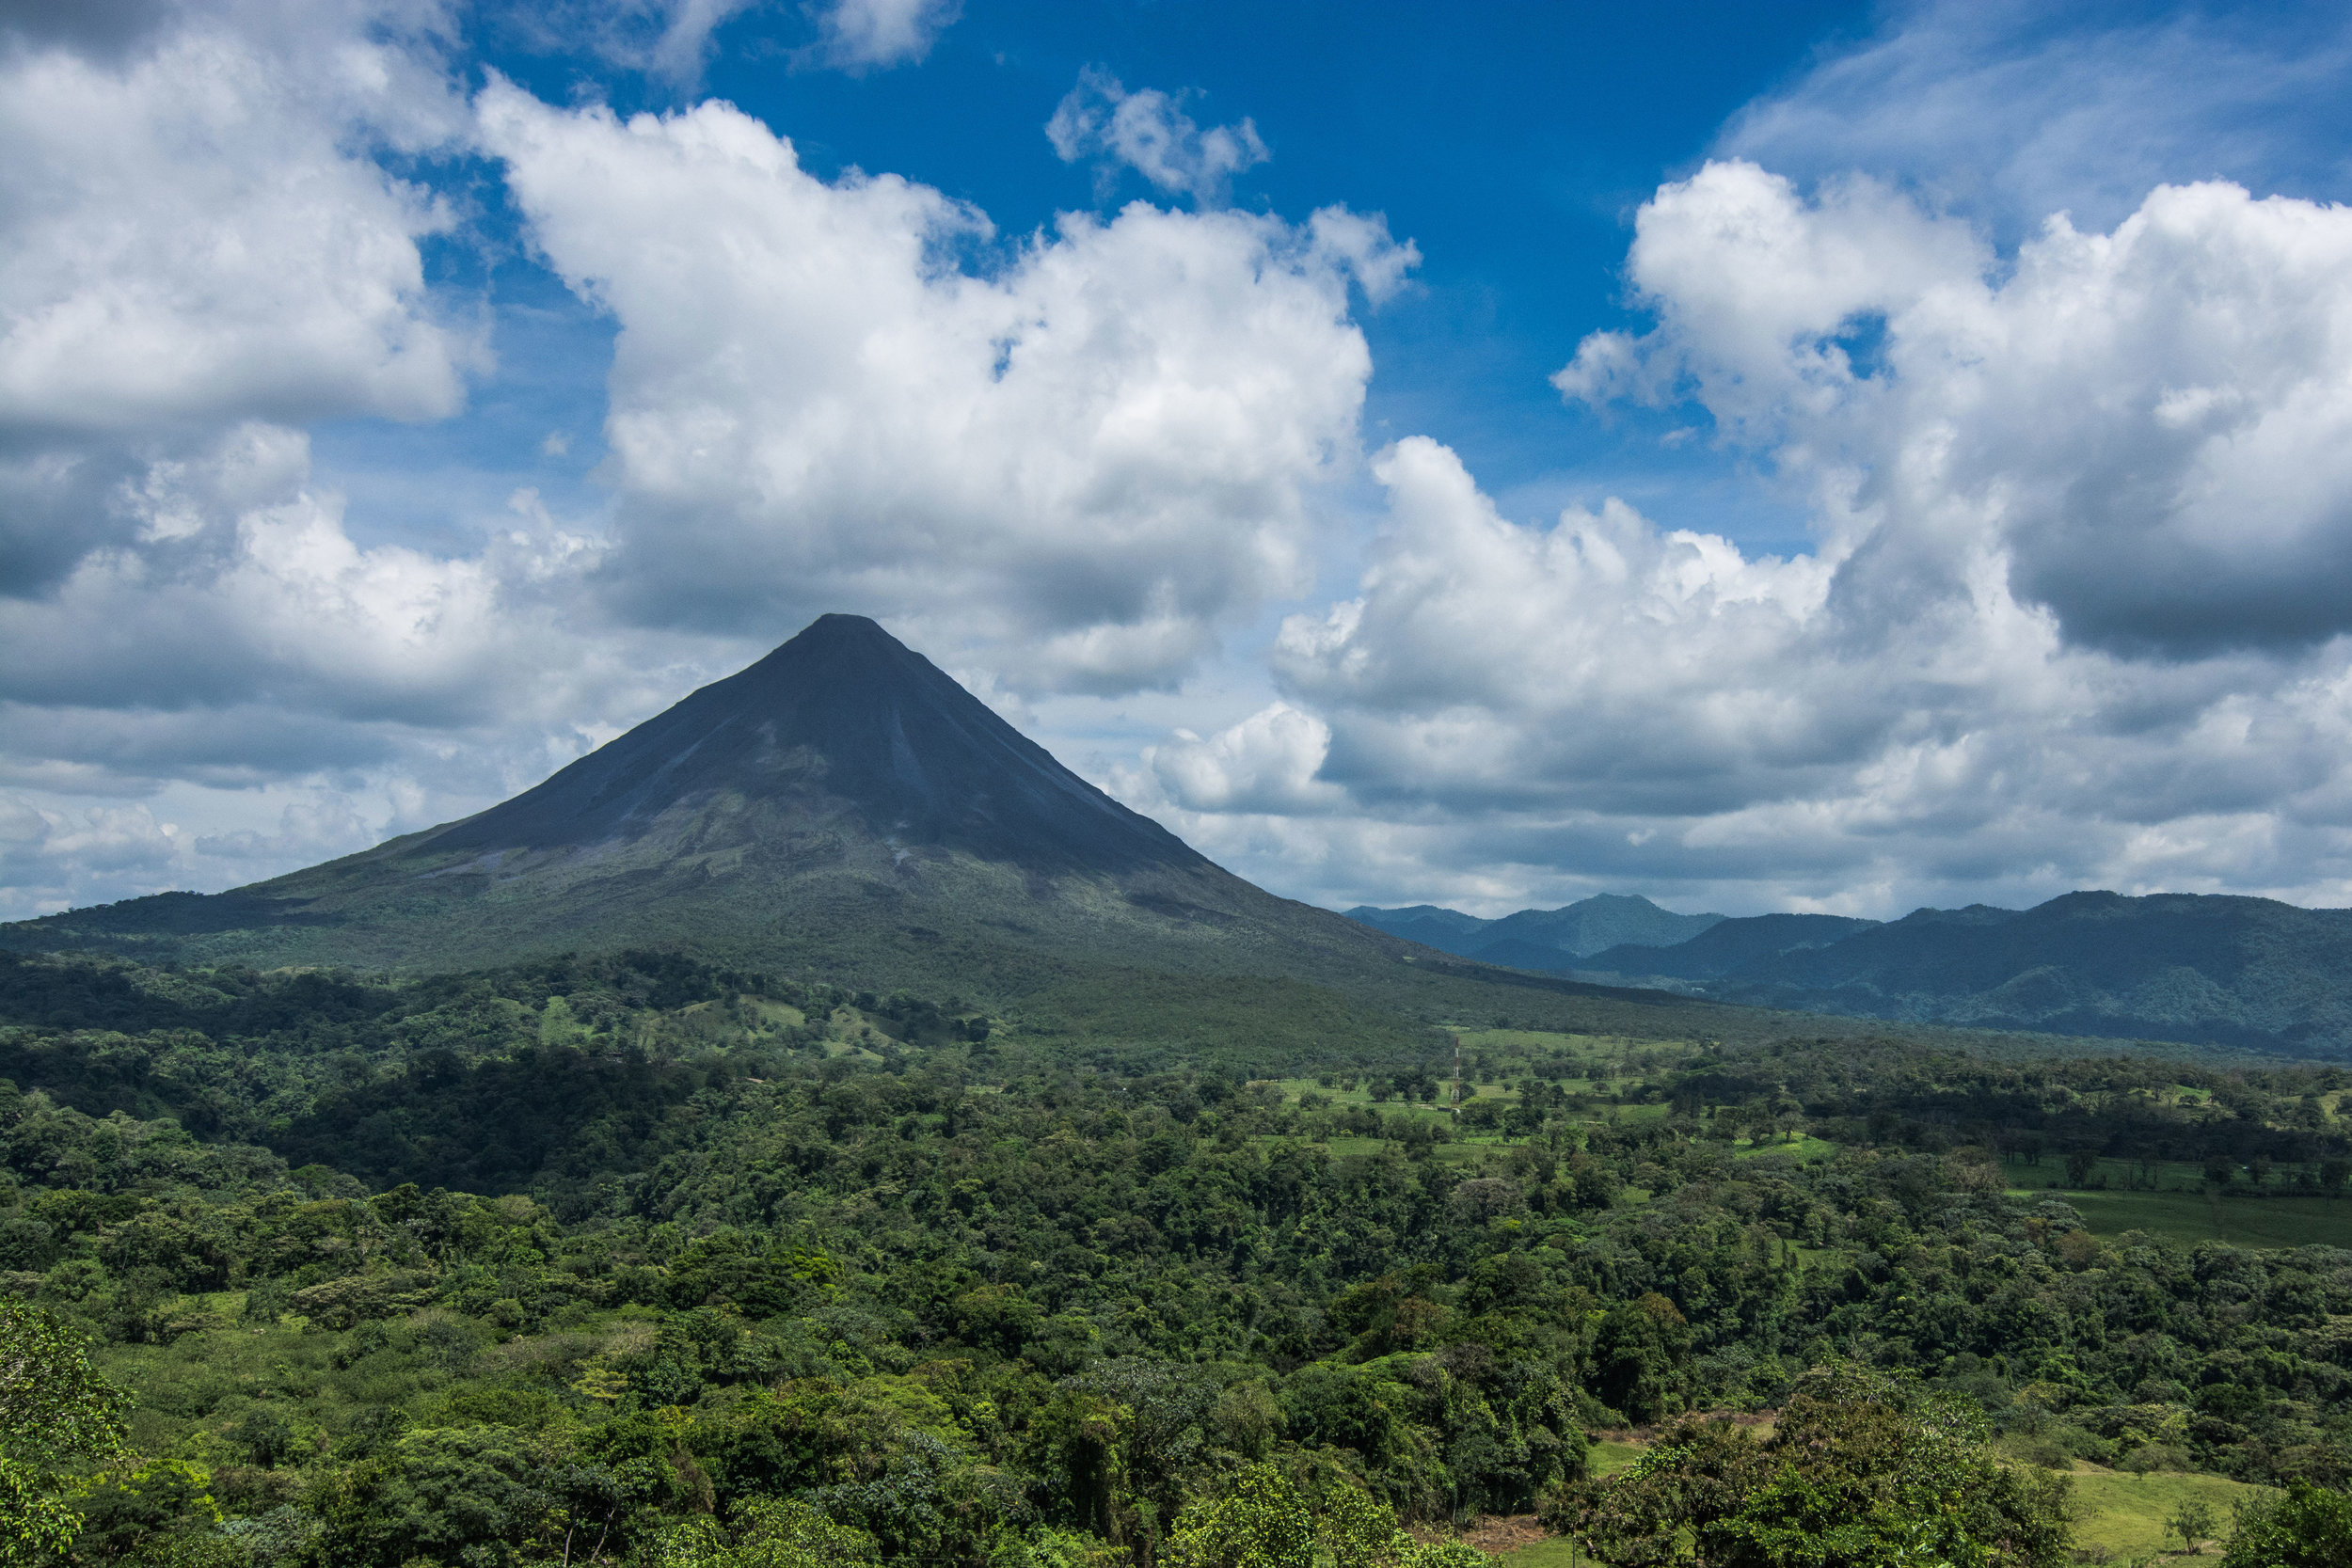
[[836, 635], [854, 653], [842, 730], [837, 626]]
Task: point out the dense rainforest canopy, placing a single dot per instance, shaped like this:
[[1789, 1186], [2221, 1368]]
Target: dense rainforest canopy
[[635, 1259]]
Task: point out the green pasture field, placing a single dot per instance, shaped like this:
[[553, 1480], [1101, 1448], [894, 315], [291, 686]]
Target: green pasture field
[[1608, 1456], [1553, 1551], [2191, 1217], [2122, 1175], [1807, 1147], [2122, 1513], [2125, 1513]]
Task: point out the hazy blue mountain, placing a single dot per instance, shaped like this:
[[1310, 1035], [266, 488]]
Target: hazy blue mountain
[[1725, 946], [2226, 969], [1430, 915], [1517, 953], [1447, 931], [1532, 939], [1591, 924]]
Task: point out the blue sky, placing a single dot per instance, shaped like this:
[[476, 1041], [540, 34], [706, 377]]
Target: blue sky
[[1514, 272], [1818, 456]]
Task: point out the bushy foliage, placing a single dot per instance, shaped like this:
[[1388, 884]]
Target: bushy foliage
[[1861, 1469], [58, 1417], [2308, 1527], [637, 1260]]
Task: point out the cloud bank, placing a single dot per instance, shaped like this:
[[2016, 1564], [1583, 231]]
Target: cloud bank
[[2078, 612]]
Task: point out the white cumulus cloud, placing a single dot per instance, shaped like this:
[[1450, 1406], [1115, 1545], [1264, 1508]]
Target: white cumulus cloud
[[2077, 613], [2151, 428], [864, 35], [195, 233], [185, 236], [1092, 452], [1148, 130], [1266, 764]]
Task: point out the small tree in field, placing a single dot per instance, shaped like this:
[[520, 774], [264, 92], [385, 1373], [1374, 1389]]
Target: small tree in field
[[2193, 1521]]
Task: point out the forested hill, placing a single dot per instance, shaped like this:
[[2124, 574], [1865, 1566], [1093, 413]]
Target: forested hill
[[2246, 972], [1538, 939], [2251, 973], [637, 1260]]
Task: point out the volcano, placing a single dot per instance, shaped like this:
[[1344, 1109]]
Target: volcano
[[844, 729], [843, 807]]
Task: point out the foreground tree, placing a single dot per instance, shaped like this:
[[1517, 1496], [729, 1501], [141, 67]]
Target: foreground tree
[[1863, 1471], [2309, 1527], [2193, 1521], [57, 1418], [1265, 1520], [769, 1532]]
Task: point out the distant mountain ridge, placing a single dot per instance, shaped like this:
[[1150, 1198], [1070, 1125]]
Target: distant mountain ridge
[[1539, 938], [2213, 968], [2210, 969], [1727, 945]]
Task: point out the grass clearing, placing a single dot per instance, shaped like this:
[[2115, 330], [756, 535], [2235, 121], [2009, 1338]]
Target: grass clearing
[[1806, 1149], [1608, 1456], [2122, 1513], [2125, 1513], [2192, 1217], [1553, 1551]]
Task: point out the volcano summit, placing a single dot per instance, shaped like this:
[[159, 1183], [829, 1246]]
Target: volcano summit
[[844, 733]]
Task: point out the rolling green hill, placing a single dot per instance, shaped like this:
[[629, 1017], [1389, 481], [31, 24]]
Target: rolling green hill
[[2249, 972], [2226, 970], [1539, 938]]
